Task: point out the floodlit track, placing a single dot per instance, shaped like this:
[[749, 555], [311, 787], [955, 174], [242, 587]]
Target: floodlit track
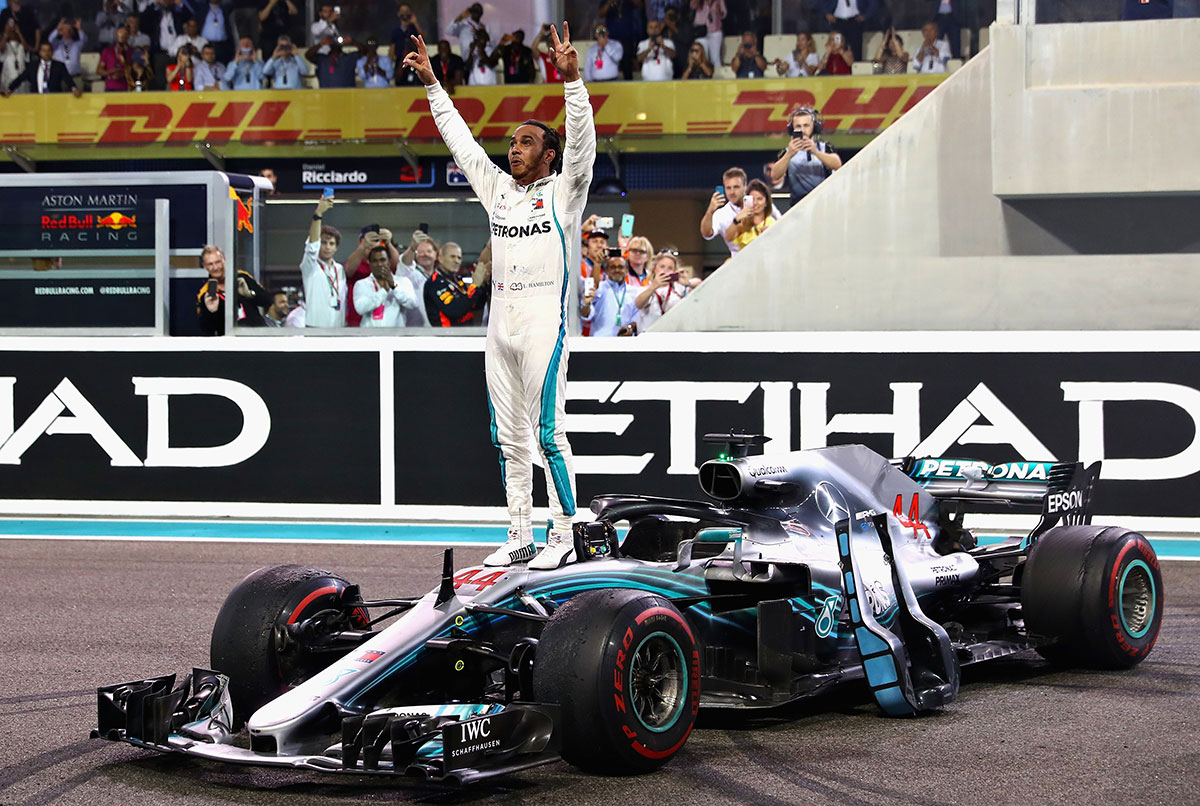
[[83, 613]]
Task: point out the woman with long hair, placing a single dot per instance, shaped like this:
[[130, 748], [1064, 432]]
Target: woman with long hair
[[755, 216], [637, 254], [698, 65], [180, 75]]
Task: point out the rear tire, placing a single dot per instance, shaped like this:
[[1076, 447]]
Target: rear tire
[[1093, 595], [624, 666], [245, 638]]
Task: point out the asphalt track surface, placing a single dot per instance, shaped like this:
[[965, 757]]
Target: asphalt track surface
[[83, 613]]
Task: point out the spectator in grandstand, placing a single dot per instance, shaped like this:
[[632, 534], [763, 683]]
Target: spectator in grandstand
[[948, 14], [1146, 9], [838, 57], [326, 289], [402, 34], [209, 71], [710, 14], [12, 51], [284, 68], [451, 258], [624, 22], [217, 31], [518, 59], [162, 21], [326, 24], [335, 69], [277, 314], [383, 299], [754, 218], [181, 74], [849, 17], [274, 21], [450, 302], [44, 75], [611, 308], [807, 160], [698, 65], [418, 264], [26, 22], [748, 62], [638, 260], [891, 58], [541, 47], [269, 175], [665, 290], [357, 267], [466, 26], [595, 250], [139, 75], [190, 36], [448, 67], [722, 208], [657, 9], [656, 54], [210, 302], [374, 69], [679, 32], [108, 20], [603, 61], [803, 61], [138, 39], [481, 66], [246, 71], [933, 54], [68, 39]]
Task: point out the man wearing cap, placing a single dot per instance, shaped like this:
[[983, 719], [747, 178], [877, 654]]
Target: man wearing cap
[[535, 224]]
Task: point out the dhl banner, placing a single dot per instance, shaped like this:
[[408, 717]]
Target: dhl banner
[[849, 104]]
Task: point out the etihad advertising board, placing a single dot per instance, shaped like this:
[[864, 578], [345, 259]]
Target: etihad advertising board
[[278, 424]]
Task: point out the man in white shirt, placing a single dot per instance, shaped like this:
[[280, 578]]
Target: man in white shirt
[[603, 61], [466, 25], [326, 24], [324, 278], [933, 54], [190, 36], [383, 298], [723, 206], [655, 54], [612, 309]]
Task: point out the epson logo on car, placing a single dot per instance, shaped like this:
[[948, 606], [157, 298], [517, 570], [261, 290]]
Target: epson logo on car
[[1061, 502]]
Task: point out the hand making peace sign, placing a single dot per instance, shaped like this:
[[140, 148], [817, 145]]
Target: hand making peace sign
[[563, 53]]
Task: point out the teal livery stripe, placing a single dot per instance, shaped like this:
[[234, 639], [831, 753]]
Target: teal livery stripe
[[546, 421], [496, 440]]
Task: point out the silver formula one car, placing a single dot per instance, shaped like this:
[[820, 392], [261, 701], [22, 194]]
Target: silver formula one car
[[802, 570]]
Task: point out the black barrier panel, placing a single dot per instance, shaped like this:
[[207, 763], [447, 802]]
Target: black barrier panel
[[285, 427], [99, 217], [1143, 406], [49, 301]]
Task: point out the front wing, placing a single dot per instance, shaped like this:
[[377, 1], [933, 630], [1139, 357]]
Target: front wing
[[457, 743]]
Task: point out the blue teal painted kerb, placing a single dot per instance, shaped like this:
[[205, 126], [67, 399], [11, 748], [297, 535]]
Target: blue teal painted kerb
[[546, 421], [1121, 598], [496, 441], [681, 703]]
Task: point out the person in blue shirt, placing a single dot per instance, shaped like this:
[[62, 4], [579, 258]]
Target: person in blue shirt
[[612, 309], [375, 68], [284, 68], [246, 71]]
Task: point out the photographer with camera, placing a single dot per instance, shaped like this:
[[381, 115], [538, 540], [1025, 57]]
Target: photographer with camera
[[698, 65], [518, 59], [181, 74], [933, 54], [807, 160], [748, 62], [284, 67], [666, 289], [481, 65], [655, 54], [335, 70], [541, 47], [245, 72], [603, 61], [892, 58], [837, 58], [275, 20], [801, 62], [407, 26]]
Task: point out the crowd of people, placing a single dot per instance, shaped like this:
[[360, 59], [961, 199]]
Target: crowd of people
[[182, 45]]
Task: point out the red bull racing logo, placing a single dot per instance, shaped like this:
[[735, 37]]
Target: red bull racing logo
[[117, 221]]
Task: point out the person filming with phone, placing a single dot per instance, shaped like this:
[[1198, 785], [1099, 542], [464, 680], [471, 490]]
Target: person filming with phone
[[725, 204], [838, 58], [807, 160], [665, 291]]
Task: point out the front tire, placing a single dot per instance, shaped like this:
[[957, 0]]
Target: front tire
[[624, 666], [1093, 595], [247, 643]]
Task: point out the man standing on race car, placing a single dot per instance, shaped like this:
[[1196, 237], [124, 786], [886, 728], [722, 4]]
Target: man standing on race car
[[534, 216]]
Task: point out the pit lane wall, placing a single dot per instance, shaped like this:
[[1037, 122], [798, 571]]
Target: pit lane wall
[[396, 429], [1042, 186]]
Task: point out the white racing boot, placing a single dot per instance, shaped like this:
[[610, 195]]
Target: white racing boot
[[560, 550], [517, 549]]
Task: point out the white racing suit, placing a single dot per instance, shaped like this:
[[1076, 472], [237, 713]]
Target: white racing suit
[[535, 242]]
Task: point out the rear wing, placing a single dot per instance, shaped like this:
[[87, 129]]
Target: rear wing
[[1060, 491]]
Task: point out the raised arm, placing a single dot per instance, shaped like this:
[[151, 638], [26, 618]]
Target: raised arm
[[579, 150], [481, 172]]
